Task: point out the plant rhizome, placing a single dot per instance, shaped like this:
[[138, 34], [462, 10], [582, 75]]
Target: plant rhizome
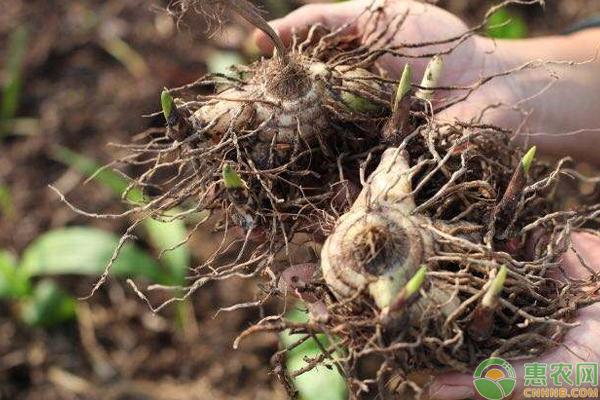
[[440, 243]]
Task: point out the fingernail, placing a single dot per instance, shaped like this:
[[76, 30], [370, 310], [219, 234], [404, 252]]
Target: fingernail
[[448, 392]]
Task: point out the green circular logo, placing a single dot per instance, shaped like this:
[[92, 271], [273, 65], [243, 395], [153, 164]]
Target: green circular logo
[[495, 379]]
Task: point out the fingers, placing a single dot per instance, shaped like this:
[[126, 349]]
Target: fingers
[[330, 15], [488, 104], [493, 105], [578, 345], [452, 386], [586, 250]]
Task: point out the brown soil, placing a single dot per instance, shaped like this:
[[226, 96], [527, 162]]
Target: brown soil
[[81, 97]]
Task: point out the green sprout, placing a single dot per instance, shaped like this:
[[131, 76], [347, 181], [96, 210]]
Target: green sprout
[[168, 104], [491, 296], [403, 86], [528, 159], [231, 178], [432, 75], [414, 285]]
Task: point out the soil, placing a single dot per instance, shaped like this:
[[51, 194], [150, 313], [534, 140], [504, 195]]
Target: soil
[[555, 17], [77, 95]]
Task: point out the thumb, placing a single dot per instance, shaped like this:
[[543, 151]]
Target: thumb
[[451, 386], [300, 21], [584, 257]]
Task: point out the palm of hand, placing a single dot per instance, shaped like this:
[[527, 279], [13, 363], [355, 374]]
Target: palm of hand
[[463, 67], [579, 345], [423, 24]]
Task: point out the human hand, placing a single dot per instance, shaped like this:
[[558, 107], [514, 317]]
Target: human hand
[[537, 102], [579, 345], [552, 98], [424, 22]]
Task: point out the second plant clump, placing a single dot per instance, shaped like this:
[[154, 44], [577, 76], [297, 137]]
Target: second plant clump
[[440, 243]]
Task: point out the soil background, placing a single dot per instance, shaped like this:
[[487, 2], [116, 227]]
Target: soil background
[[77, 94]]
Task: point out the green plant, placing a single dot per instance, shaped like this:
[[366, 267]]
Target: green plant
[[323, 382], [90, 168], [12, 282], [167, 237], [504, 24], [86, 251], [6, 201], [48, 305], [11, 91], [70, 251]]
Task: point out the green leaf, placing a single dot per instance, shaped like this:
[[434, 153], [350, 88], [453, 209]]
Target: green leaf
[[11, 92], [164, 236], [320, 383], [7, 259], [48, 306], [86, 251], [296, 315], [504, 24], [88, 167], [13, 284]]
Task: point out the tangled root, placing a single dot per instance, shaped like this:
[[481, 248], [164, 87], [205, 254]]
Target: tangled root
[[459, 174], [212, 11], [301, 136], [295, 134]]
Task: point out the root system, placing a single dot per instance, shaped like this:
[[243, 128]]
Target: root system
[[314, 151]]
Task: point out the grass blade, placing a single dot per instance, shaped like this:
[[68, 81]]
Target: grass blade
[[88, 167], [11, 92]]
